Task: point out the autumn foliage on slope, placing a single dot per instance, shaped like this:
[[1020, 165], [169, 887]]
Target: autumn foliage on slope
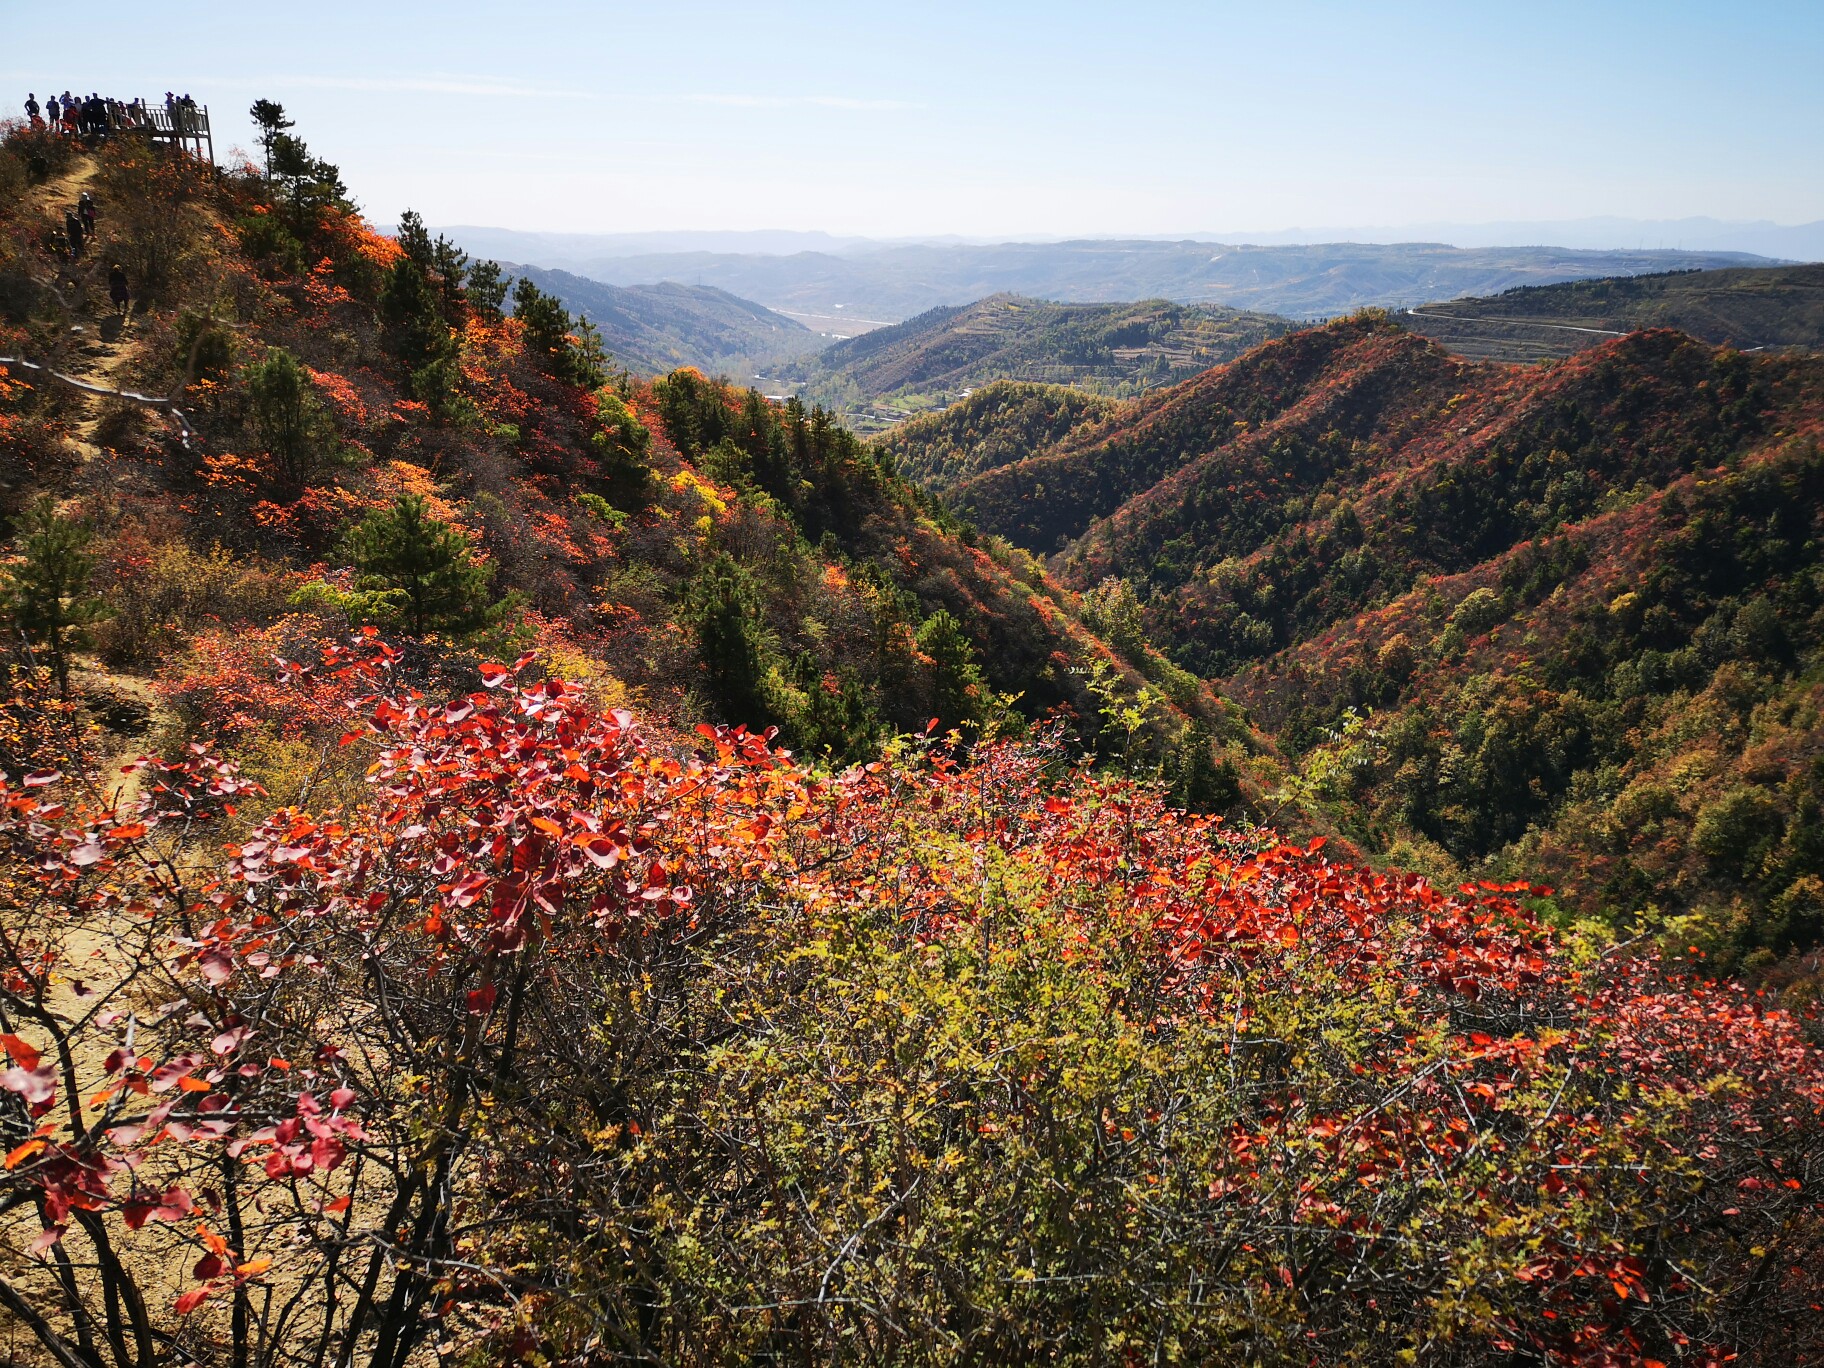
[[566, 1043], [683, 545], [1580, 605]]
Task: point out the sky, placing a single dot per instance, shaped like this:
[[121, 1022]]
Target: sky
[[994, 119]]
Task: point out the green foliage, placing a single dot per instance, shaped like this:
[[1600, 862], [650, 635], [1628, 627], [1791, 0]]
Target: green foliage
[[1102, 349], [619, 446], [442, 263], [411, 315], [426, 571], [957, 1115], [1197, 779], [1112, 612], [1737, 830], [307, 186], [598, 507], [486, 290], [959, 691], [997, 425], [269, 117], [725, 611], [1761, 306], [268, 238], [287, 417], [199, 336], [560, 346], [45, 593]]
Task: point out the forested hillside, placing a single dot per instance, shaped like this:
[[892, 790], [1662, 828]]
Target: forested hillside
[[1581, 604], [995, 426], [1110, 349], [651, 330], [1749, 308], [511, 863]]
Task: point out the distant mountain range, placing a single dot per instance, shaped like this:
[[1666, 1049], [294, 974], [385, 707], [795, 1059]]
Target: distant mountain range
[[1777, 306], [894, 282], [1793, 242], [652, 329]]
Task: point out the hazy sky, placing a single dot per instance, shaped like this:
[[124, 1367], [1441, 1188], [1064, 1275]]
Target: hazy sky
[[993, 118]]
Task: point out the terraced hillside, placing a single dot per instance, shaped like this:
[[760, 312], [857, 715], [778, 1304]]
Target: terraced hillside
[[1751, 308]]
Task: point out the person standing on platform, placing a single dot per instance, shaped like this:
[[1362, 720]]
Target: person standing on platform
[[53, 111], [31, 109]]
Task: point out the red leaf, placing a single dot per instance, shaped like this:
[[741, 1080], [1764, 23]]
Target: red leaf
[[23, 1054], [192, 1299]]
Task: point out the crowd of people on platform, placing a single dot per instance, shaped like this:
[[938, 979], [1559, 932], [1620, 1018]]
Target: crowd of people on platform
[[96, 116]]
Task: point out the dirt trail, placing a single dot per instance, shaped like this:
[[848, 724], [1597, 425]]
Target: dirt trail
[[99, 349], [100, 344]]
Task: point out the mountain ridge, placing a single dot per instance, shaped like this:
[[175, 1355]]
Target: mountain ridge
[[1752, 308], [1529, 578], [896, 281], [1108, 349], [653, 329]]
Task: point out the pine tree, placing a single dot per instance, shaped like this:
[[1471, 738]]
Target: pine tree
[[427, 568], [411, 316], [562, 347], [269, 117], [486, 290], [287, 417], [959, 691], [45, 594], [444, 264], [729, 640], [308, 184]]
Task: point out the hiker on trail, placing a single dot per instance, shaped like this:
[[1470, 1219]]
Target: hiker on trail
[[69, 112], [117, 290], [85, 210], [31, 110], [52, 112], [72, 229]]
